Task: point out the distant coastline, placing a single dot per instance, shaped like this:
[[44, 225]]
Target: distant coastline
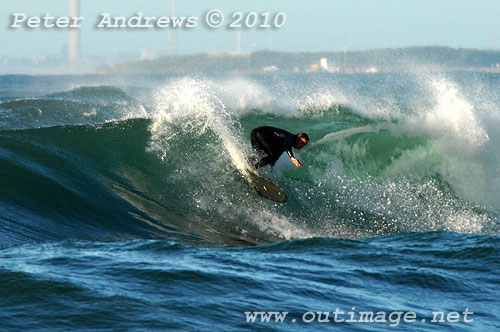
[[370, 61], [429, 58]]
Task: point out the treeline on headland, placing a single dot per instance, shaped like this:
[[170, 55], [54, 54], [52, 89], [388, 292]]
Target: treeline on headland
[[379, 60]]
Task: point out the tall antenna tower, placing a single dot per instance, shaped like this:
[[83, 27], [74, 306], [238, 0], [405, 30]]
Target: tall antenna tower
[[238, 42], [171, 34], [74, 35]]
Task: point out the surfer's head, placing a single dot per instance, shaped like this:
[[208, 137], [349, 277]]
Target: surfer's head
[[301, 140]]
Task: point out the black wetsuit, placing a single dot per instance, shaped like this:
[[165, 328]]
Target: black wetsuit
[[270, 143]]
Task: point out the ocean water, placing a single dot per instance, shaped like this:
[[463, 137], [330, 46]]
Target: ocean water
[[122, 207]]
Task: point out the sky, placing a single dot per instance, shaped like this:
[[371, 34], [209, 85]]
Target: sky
[[312, 25]]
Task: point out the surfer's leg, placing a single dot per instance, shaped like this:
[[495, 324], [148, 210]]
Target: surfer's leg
[[254, 160], [267, 160], [261, 157]]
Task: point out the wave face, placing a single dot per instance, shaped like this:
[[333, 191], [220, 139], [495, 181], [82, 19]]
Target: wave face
[[118, 158]]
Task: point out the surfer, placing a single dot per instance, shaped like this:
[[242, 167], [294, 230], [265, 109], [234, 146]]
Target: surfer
[[271, 142]]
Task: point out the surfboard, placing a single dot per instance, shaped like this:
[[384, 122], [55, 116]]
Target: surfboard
[[266, 188]]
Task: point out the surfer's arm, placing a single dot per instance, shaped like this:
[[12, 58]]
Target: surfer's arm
[[294, 160]]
